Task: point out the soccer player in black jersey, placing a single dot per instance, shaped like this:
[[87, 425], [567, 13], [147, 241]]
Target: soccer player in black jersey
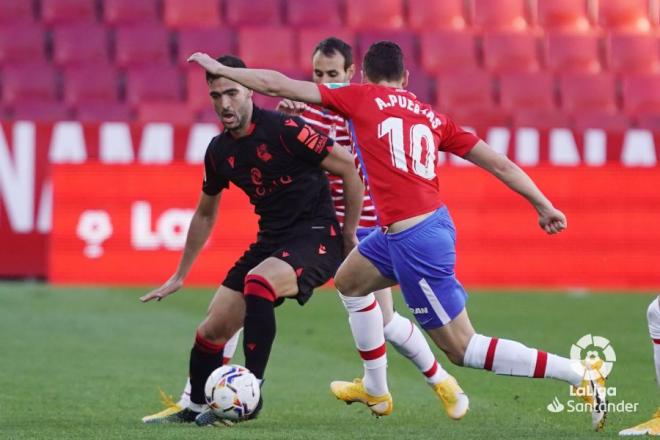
[[280, 163]]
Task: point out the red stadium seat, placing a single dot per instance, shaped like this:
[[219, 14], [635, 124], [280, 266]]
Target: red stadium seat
[[309, 38], [29, 82], [633, 53], [75, 44], [448, 51], [67, 11], [103, 112], [624, 15], [428, 15], [603, 120], [277, 54], [22, 43], [16, 11], [405, 39], [505, 15], [305, 13], [197, 91], [141, 44], [153, 83], [253, 12], [121, 12], [511, 52], [521, 92], [375, 14], [196, 14], [566, 52], [215, 42], [40, 111], [468, 98], [79, 89], [564, 15], [166, 111], [585, 93], [641, 94], [541, 119], [421, 85]]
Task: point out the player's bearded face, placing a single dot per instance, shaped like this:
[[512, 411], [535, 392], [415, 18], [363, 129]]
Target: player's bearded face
[[232, 103]]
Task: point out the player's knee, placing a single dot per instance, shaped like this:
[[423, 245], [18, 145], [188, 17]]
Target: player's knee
[[344, 285], [215, 332], [456, 356]]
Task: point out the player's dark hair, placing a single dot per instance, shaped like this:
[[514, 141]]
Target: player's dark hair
[[229, 61], [332, 45], [384, 62]]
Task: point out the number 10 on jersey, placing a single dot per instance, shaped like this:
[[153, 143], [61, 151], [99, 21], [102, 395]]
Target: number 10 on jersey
[[420, 142]]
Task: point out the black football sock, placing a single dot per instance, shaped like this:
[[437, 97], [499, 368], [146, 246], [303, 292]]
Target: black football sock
[[259, 326], [205, 357]]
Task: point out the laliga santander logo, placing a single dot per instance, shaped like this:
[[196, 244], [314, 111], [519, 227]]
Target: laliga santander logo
[[588, 350], [94, 227]]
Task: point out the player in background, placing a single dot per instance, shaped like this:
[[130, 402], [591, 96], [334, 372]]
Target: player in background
[[397, 139], [651, 427], [332, 61], [280, 163]]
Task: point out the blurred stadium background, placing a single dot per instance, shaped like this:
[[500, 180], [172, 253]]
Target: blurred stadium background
[[103, 130], [98, 90]]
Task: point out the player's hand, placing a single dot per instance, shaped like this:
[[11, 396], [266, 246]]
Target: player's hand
[[350, 241], [209, 64], [552, 220], [170, 286], [290, 107]]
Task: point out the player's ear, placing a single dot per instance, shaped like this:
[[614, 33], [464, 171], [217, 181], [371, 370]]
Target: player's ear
[[350, 72], [405, 78], [363, 77]]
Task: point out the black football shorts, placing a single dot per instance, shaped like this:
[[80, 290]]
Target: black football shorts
[[314, 253]]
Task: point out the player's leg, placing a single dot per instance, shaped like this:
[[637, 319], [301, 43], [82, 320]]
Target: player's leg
[[356, 278], [269, 280], [424, 258], [224, 317], [651, 427], [227, 355], [408, 340]]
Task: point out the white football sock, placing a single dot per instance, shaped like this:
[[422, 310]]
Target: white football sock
[[512, 358], [366, 321], [653, 316], [230, 347], [184, 400], [410, 342]]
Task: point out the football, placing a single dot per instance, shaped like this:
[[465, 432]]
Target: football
[[232, 392]]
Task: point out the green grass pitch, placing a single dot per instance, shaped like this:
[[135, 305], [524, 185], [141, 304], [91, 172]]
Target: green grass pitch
[[87, 363]]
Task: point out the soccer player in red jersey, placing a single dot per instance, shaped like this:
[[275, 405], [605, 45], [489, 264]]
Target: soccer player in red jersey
[[280, 162], [332, 61], [397, 138]]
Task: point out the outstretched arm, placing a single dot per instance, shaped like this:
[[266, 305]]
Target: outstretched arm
[[551, 219], [268, 82], [201, 226]]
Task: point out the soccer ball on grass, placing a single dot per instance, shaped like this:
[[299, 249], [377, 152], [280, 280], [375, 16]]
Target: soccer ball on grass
[[232, 392]]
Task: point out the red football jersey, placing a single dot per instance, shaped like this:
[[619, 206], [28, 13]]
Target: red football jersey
[[336, 127], [397, 138]]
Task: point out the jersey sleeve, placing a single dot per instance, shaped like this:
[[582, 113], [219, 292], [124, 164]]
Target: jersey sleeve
[[340, 97], [214, 182], [455, 140], [302, 140]]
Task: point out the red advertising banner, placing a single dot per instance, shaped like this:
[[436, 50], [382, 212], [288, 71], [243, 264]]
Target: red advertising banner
[[126, 224]]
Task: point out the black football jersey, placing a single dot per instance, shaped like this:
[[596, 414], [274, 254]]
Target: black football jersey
[[277, 166]]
